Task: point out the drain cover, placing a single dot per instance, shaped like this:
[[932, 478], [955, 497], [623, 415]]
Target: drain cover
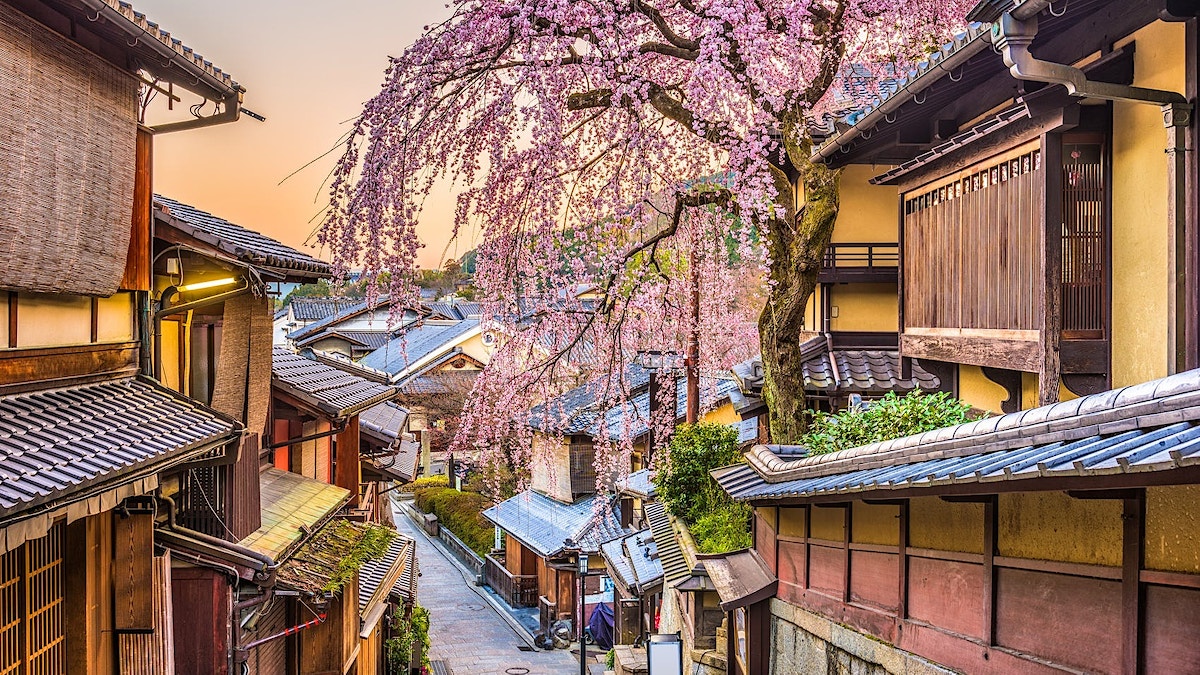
[[524, 647], [517, 670], [470, 607]]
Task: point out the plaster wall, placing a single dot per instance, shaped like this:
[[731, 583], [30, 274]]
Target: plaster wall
[[828, 523], [945, 526], [1173, 528], [868, 212], [1054, 526], [1140, 229], [45, 320], [976, 390], [474, 347], [865, 307], [875, 524], [550, 470]]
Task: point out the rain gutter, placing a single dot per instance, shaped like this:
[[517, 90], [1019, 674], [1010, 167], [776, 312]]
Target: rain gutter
[[884, 111], [1013, 35]]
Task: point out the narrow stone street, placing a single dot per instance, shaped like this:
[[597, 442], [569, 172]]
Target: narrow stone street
[[465, 631]]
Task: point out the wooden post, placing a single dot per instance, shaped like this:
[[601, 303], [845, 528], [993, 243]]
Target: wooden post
[[990, 525], [1132, 555], [902, 550], [348, 474], [848, 522], [1191, 338], [1176, 118], [1050, 368]]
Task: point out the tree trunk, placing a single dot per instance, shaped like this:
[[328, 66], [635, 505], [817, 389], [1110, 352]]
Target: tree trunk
[[796, 241]]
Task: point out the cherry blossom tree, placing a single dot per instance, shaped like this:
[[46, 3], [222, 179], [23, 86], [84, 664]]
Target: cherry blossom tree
[[618, 146]]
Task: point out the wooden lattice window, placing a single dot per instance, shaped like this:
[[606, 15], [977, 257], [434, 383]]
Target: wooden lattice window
[[1084, 237], [32, 639], [583, 466]]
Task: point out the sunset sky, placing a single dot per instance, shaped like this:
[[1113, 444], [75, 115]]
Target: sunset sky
[[308, 67]]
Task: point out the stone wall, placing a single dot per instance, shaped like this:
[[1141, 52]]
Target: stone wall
[[803, 642]]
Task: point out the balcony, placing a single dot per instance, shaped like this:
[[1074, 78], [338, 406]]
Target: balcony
[[866, 262], [518, 590]]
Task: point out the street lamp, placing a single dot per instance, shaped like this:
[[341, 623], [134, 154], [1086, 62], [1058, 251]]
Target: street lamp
[[583, 568]]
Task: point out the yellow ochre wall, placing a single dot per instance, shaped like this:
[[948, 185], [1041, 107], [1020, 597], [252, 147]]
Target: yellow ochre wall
[[721, 415], [46, 320], [1141, 253], [867, 212], [1054, 526], [946, 526], [875, 524], [1173, 528], [865, 307]]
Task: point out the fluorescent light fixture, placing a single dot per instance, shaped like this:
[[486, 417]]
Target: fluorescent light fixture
[[213, 283]]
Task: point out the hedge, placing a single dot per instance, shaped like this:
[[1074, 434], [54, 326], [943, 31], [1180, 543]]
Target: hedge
[[461, 512]]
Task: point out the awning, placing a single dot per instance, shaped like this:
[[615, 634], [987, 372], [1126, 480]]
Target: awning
[[291, 504], [79, 450], [633, 562], [392, 575], [740, 578]]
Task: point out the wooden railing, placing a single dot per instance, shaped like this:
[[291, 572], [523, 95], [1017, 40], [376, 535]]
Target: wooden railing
[[872, 262], [547, 612], [518, 590], [366, 511]]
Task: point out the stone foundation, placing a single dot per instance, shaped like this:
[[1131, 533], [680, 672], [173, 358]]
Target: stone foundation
[[803, 642]]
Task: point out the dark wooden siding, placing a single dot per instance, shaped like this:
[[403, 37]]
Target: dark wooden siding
[[972, 247]]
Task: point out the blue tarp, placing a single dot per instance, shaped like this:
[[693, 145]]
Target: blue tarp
[[601, 626]]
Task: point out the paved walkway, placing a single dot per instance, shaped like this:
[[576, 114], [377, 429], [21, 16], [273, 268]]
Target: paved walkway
[[465, 631]]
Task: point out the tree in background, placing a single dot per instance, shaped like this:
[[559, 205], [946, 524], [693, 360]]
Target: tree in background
[[620, 146]]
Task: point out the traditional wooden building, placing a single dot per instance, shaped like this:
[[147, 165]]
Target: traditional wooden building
[[1044, 217], [91, 438]]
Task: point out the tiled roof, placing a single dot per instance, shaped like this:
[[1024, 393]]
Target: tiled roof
[[416, 343], [631, 419], [442, 382], [317, 567], [865, 371], [327, 388], [394, 572], [670, 554], [401, 466], [384, 421], [1149, 427], [741, 578], [575, 411], [291, 502], [65, 441], [349, 312], [639, 483], [315, 309], [545, 525], [183, 57], [892, 93], [246, 245], [365, 339], [634, 560]]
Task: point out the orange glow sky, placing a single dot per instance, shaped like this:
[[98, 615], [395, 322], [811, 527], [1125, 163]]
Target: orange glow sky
[[307, 66]]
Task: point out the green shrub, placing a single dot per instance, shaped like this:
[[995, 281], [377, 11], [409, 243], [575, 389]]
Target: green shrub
[[717, 523], [426, 482], [723, 528], [890, 417], [408, 633], [684, 484], [461, 512]]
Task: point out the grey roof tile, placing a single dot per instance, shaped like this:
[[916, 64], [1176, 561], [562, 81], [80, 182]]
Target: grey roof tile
[[417, 342], [315, 309], [246, 245], [546, 526], [56, 443], [330, 389]]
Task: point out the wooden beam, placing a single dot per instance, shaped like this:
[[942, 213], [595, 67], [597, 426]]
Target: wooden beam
[[95, 320], [348, 472], [1132, 557], [974, 351], [991, 523], [1131, 493], [1050, 303], [848, 523], [12, 319], [1011, 381]]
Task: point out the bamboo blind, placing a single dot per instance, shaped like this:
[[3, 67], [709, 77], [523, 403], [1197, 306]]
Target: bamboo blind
[[32, 637], [67, 139]]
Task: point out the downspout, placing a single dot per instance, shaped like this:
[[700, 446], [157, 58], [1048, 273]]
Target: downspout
[[267, 571], [1012, 36], [166, 310]]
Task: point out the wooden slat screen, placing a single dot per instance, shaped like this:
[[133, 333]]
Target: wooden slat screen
[[1084, 240], [971, 246], [133, 558], [153, 653], [583, 466], [32, 634]]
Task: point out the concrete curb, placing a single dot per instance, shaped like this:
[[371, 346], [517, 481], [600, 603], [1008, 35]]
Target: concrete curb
[[468, 574]]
